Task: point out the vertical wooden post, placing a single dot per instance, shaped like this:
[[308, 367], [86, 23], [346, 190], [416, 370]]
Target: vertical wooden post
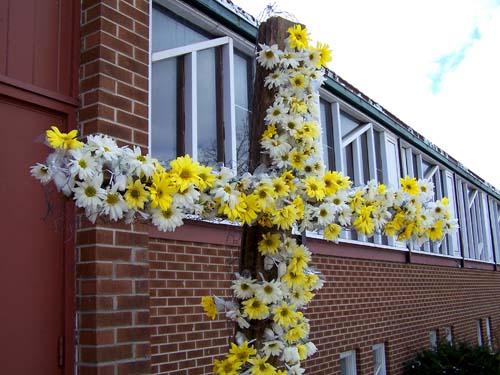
[[273, 31]]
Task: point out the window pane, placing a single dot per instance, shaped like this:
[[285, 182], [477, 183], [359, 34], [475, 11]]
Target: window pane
[[347, 123], [170, 33], [164, 110], [241, 91], [207, 119]]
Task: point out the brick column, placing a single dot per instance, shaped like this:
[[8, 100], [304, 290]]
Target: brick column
[[112, 264]]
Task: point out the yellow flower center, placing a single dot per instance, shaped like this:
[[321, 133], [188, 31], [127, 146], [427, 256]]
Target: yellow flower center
[[82, 163], [112, 199], [167, 214], [90, 191], [268, 289]]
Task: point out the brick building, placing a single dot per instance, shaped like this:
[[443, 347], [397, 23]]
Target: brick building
[[172, 76]]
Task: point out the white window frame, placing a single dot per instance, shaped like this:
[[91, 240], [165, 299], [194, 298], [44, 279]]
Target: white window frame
[[494, 207], [479, 332], [448, 334], [379, 357], [350, 358], [433, 339], [489, 336], [190, 52], [388, 146], [475, 223]]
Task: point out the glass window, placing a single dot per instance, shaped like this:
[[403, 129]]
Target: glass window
[[448, 335], [207, 104], [164, 110], [379, 360], [243, 105], [479, 332], [170, 31], [201, 94], [348, 363], [433, 339]]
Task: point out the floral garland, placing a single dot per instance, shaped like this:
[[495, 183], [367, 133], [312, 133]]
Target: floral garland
[[293, 193]]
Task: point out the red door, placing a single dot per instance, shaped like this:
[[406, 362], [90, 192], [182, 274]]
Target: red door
[[32, 266]]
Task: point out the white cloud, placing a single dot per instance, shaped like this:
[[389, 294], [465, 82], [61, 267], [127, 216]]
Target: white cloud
[[389, 49]]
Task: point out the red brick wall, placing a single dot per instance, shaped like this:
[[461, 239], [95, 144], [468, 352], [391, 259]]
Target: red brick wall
[[363, 303], [112, 267], [183, 340]]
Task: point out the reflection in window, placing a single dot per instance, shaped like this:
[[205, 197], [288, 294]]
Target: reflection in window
[[242, 91], [164, 110], [207, 114]]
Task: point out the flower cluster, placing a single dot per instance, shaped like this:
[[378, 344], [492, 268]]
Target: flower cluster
[[293, 193], [122, 183], [278, 303]]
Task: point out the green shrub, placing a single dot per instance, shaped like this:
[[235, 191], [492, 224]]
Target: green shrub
[[461, 359]]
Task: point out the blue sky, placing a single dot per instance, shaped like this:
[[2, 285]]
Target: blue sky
[[435, 64]]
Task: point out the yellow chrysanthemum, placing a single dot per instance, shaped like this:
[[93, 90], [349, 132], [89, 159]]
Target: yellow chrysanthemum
[[252, 208], [325, 53], [297, 106], [298, 81], [269, 244], [65, 141], [302, 349], [255, 309], [364, 223], [209, 306], [435, 232], [280, 186], [136, 194], [315, 188], [269, 132], [161, 191], [261, 367], [294, 278], [285, 315], [242, 353], [226, 367], [296, 333], [285, 217], [410, 185], [207, 178], [297, 159], [332, 232], [299, 37], [185, 172]]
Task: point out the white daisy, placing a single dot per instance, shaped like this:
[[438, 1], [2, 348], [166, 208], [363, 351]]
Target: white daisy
[[290, 355], [273, 347], [89, 194], [296, 370], [325, 214], [113, 204], [269, 292], [167, 220], [276, 113], [83, 164], [187, 197], [42, 173], [426, 189], [243, 287], [140, 164], [275, 79], [290, 59], [268, 56], [103, 146]]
